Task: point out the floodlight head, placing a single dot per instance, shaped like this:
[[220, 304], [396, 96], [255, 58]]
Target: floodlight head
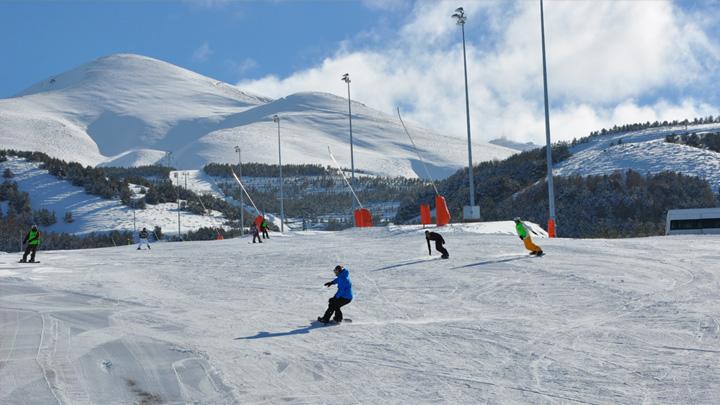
[[459, 15], [276, 118], [346, 78], [237, 149]]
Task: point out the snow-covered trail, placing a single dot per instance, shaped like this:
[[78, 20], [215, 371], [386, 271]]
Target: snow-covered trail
[[593, 321]]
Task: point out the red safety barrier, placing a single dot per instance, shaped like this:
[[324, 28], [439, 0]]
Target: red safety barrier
[[219, 237], [425, 217], [363, 218], [442, 215], [551, 228]]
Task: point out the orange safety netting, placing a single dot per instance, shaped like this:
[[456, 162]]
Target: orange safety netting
[[425, 217], [442, 215], [363, 218]]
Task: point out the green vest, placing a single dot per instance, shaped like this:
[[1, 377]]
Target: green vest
[[34, 238], [521, 230]]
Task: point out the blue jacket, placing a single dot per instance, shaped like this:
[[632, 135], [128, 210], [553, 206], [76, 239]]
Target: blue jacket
[[344, 285]]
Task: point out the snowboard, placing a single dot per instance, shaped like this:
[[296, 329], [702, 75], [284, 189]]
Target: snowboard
[[28, 262], [345, 320]]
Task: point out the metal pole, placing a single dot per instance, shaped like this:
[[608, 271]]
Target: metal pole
[[178, 202], [467, 115], [352, 155], [282, 208], [242, 197], [548, 145]]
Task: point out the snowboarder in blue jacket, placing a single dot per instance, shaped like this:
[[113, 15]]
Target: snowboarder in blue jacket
[[342, 297]]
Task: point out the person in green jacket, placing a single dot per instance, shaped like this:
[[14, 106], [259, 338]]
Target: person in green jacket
[[525, 237], [264, 229], [32, 240]]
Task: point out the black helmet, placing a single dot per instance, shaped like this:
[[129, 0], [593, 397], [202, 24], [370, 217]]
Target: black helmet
[[338, 268], [34, 227]]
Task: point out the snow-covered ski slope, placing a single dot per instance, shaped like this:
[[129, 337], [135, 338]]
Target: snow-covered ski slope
[[92, 213], [645, 152], [129, 110], [594, 321]]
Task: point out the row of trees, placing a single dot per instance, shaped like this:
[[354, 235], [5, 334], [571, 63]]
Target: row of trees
[[709, 141], [638, 126], [623, 204], [494, 182]]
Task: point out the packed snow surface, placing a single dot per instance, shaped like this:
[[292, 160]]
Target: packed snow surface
[[593, 321]]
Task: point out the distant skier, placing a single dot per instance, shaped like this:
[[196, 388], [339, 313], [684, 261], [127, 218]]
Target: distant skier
[[32, 239], [143, 236], [439, 242], [525, 237], [255, 232], [264, 228], [342, 297]]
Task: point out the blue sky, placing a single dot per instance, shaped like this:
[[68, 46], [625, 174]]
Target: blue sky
[[610, 62], [243, 39]]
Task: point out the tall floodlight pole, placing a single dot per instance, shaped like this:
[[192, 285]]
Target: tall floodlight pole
[[472, 211], [242, 208], [177, 180], [548, 145], [346, 79], [282, 208]]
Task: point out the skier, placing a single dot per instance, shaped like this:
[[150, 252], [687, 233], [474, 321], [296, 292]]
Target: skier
[[342, 297], [143, 236], [32, 239], [525, 237], [439, 242], [255, 233], [264, 228]]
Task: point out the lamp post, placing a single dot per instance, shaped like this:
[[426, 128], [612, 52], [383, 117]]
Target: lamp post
[[472, 211], [346, 79], [242, 208], [548, 145], [177, 179], [282, 208]]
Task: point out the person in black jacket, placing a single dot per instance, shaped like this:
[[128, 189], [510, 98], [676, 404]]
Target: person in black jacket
[[439, 242], [143, 236]]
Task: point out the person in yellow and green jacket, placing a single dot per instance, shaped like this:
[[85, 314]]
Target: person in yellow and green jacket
[[32, 239], [525, 237]]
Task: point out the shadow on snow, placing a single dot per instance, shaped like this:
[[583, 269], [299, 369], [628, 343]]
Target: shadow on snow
[[298, 331]]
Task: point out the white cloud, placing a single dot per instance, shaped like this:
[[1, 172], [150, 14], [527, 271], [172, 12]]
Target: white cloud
[[242, 66], [202, 53], [602, 56]]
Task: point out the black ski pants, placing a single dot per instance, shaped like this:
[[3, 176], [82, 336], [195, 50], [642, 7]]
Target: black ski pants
[[334, 306], [265, 234], [255, 235], [28, 250], [439, 247]]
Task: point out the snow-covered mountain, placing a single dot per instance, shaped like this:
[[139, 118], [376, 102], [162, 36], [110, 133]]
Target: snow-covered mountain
[[91, 213], [646, 152], [130, 110]]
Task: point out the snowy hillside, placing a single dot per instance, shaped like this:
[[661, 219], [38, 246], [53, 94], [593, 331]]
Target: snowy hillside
[[92, 213], [221, 322], [645, 152], [129, 110]]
